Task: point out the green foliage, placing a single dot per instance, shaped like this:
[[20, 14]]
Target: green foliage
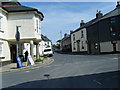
[[39, 60], [45, 57]]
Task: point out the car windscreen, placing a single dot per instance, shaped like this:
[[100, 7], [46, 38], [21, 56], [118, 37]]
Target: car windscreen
[[46, 50]]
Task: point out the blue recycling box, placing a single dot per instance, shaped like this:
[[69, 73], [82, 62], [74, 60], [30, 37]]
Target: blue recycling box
[[19, 62]]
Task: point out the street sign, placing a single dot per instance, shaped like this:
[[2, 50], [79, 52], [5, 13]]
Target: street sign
[[17, 36], [30, 61]]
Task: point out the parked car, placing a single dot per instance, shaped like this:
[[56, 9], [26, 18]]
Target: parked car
[[48, 52]]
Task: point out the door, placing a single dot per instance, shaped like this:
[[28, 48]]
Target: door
[[78, 46], [13, 53], [114, 47]]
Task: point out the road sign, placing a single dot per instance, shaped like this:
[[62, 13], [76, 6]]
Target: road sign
[[30, 61]]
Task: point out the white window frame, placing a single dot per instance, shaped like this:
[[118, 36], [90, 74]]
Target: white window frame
[[1, 49], [37, 25], [0, 22]]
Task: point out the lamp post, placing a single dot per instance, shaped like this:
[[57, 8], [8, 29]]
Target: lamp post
[[17, 36]]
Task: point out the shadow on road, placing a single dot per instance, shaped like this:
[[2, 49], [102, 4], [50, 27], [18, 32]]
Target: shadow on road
[[102, 80]]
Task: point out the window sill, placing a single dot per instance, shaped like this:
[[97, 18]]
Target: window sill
[[1, 31], [2, 57]]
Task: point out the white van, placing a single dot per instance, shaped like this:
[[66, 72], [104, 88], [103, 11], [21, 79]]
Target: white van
[[48, 52]]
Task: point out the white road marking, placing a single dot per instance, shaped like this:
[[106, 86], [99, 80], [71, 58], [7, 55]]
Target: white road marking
[[115, 58], [27, 71]]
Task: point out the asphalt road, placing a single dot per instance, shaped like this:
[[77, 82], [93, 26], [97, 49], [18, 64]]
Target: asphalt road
[[68, 71]]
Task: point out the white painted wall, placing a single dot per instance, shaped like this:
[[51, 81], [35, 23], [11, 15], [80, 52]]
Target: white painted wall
[[6, 51], [37, 32], [43, 45], [106, 47], [25, 20], [26, 47], [4, 27], [78, 37], [3, 36]]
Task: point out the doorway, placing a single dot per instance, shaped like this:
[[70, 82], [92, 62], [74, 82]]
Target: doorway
[[78, 46], [13, 53]]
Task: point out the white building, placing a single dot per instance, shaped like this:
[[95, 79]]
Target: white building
[[79, 40], [44, 44], [13, 15]]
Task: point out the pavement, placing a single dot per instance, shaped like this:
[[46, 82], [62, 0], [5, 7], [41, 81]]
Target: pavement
[[13, 66]]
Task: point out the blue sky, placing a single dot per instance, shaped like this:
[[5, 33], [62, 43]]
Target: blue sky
[[66, 16]]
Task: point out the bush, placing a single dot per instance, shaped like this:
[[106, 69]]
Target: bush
[[39, 60], [45, 57]]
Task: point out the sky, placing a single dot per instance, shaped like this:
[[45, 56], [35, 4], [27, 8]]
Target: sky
[[61, 17]]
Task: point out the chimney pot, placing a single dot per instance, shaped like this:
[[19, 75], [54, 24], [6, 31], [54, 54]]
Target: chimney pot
[[118, 4]]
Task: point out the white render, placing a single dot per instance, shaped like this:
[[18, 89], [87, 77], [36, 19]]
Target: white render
[[44, 45], [28, 29], [3, 36], [82, 40]]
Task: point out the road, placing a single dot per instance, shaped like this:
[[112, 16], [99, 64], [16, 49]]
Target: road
[[68, 71]]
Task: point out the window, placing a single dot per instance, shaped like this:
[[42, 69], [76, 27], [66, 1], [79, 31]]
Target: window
[[0, 22], [82, 35], [37, 27], [1, 48], [113, 20], [73, 37]]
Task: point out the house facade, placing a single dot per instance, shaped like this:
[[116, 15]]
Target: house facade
[[27, 21], [65, 43], [79, 39], [44, 44], [104, 34], [101, 35]]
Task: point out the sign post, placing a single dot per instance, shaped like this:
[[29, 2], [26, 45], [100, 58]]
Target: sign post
[[17, 36]]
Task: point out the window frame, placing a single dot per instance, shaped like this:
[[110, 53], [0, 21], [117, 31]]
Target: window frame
[[0, 22], [1, 50]]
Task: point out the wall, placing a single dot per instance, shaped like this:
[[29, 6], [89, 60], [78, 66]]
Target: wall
[[78, 36], [3, 36], [25, 20], [37, 28], [106, 47]]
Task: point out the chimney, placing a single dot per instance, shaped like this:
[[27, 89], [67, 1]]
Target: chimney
[[82, 23], [65, 35], [71, 31], [118, 4], [99, 14]]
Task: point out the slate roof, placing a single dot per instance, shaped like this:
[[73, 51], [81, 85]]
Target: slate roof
[[44, 38], [17, 7], [114, 12]]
